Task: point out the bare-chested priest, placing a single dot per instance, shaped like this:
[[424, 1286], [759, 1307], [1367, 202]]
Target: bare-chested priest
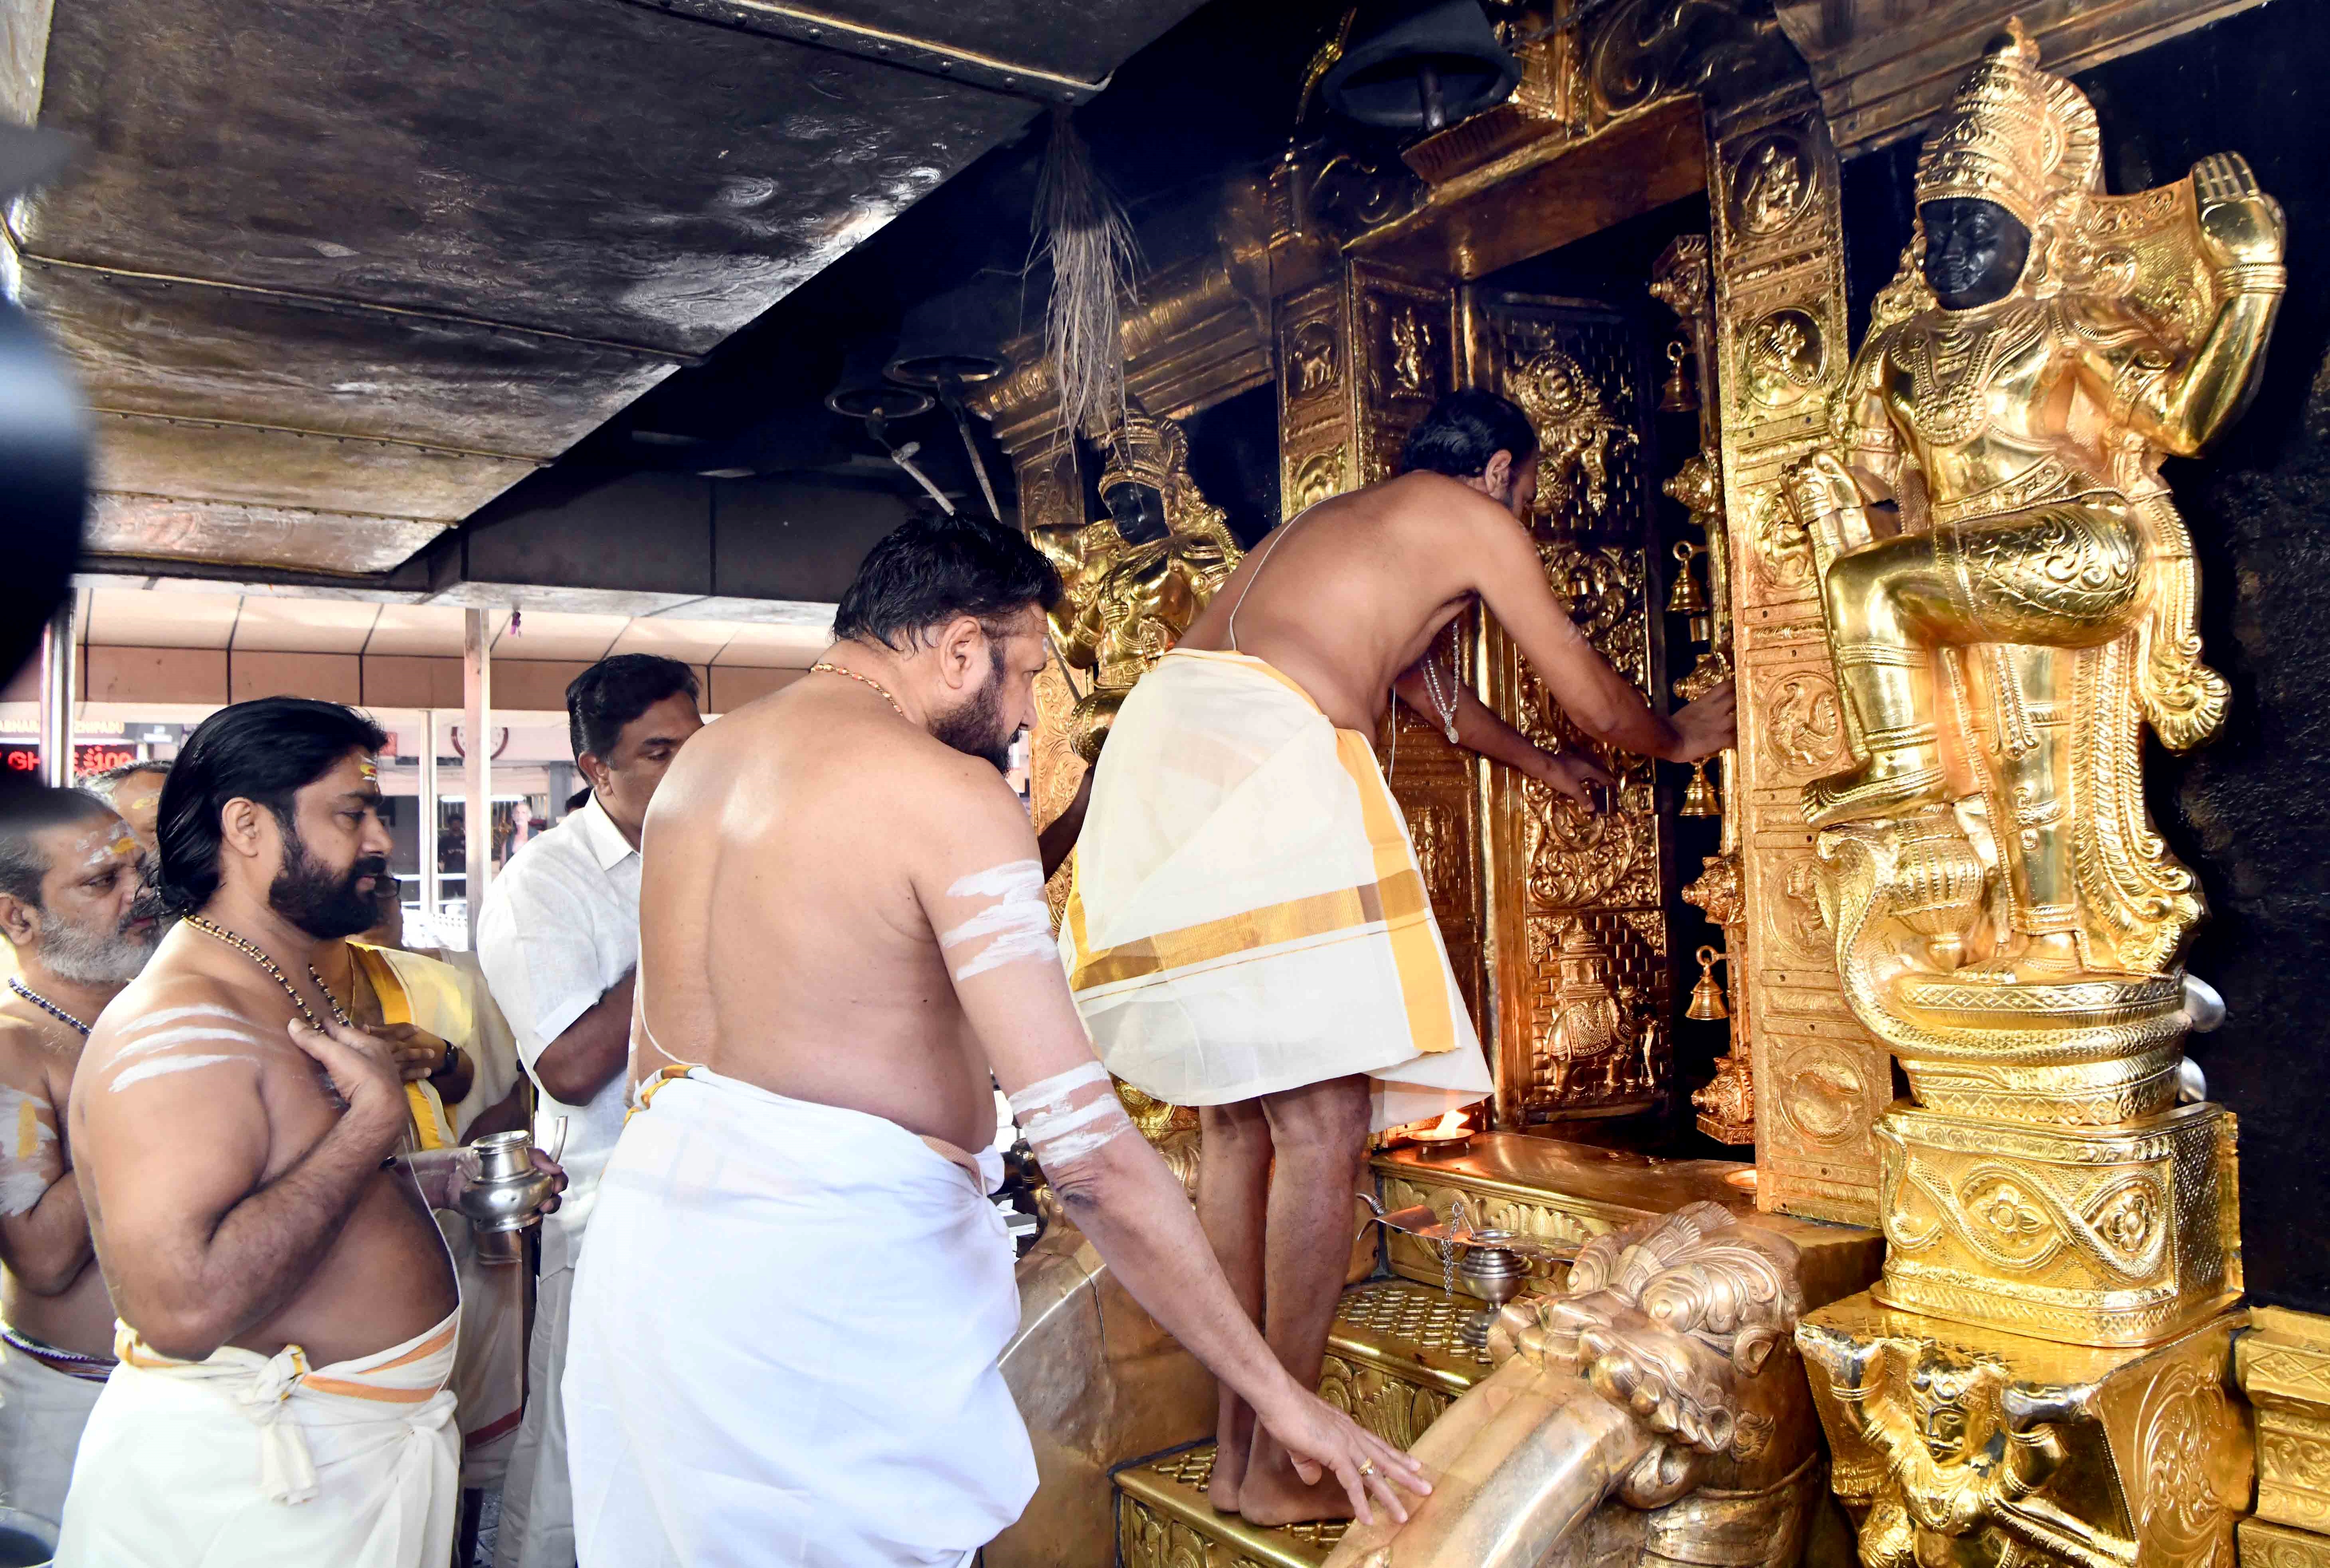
[[69, 882], [1249, 933], [785, 1328], [288, 1307]]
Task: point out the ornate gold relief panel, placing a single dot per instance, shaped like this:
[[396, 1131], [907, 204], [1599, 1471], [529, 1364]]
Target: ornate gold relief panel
[[1361, 357], [1050, 497], [2283, 1365], [1582, 952], [1315, 411], [1820, 1081], [1404, 340]]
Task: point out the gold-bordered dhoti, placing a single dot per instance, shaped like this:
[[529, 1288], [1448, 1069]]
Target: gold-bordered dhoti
[[1248, 915]]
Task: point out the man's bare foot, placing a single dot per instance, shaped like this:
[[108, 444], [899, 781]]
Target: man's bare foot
[[1233, 1447], [1275, 1495]]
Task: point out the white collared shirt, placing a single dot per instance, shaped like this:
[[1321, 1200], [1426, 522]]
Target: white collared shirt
[[558, 929]]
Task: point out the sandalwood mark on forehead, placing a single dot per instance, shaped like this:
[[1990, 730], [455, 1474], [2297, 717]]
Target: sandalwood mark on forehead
[[107, 842]]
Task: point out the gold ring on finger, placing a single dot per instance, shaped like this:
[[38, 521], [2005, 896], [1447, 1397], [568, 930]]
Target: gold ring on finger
[[1366, 1466]]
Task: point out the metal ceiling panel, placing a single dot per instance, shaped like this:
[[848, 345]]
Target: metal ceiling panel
[[156, 528], [219, 354], [336, 276], [584, 166], [1082, 42], [191, 460]]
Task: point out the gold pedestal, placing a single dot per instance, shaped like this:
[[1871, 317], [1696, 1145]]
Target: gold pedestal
[[1966, 1445], [2104, 1236], [2284, 1367]]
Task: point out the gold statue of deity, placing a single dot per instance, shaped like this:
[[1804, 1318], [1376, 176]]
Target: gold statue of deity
[[1136, 580], [2038, 1375], [2043, 347]]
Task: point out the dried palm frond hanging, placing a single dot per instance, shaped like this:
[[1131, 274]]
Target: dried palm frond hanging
[[1083, 233]]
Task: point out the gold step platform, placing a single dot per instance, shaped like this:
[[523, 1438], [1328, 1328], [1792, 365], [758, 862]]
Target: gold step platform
[[1162, 1517], [1394, 1360]]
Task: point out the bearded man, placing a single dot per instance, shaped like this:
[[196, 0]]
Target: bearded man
[[69, 875], [288, 1308], [785, 1328]]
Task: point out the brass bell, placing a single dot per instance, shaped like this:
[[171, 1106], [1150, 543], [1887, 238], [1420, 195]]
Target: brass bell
[[1420, 66], [1698, 798], [1676, 396], [1707, 1003], [1686, 598]]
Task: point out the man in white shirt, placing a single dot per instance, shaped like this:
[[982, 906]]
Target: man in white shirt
[[558, 937]]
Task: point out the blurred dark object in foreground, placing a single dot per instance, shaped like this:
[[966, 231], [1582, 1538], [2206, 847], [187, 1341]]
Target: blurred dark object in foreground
[[43, 436]]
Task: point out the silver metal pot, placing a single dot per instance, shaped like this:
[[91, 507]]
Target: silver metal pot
[[507, 1196]]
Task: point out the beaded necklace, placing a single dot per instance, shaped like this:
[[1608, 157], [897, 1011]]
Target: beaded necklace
[[45, 1005], [252, 951]]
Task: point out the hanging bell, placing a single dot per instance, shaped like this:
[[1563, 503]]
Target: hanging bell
[[1676, 396], [865, 393], [1707, 1003], [1698, 798], [954, 340], [1686, 597], [1427, 66]]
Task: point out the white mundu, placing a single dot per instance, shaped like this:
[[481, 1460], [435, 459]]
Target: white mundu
[[43, 1407], [784, 1340], [266, 1462], [1247, 914], [558, 929]]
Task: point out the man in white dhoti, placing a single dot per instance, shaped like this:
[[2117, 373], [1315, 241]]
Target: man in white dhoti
[[460, 1067], [785, 1328], [288, 1310], [69, 886], [1249, 931], [558, 938]]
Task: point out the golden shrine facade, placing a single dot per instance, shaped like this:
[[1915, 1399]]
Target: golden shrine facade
[[2011, 1284]]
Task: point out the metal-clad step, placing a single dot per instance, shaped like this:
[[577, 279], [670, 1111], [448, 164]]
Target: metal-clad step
[[1393, 1361], [1164, 1520]]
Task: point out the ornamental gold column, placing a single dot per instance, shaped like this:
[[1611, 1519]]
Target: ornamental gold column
[[2040, 1374]]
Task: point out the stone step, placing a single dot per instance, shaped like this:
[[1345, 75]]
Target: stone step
[[1393, 1361]]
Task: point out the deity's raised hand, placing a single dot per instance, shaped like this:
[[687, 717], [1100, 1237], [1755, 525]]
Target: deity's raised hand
[[2242, 225]]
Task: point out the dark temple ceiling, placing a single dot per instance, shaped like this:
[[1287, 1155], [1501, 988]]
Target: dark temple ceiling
[[334, 275]]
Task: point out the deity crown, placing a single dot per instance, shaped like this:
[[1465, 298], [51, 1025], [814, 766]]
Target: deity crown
[[1143, 450], [2013, 134]]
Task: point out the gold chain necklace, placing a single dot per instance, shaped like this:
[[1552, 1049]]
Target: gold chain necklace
[[834, 669], [1443, 703], [252, 951]]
